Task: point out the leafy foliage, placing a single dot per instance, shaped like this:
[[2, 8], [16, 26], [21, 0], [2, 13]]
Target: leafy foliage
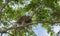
[[44, 10]]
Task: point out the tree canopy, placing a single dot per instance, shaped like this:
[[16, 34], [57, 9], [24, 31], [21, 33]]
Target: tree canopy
[[46, 12]]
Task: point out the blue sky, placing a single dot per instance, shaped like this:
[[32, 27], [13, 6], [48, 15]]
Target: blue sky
[[40, 31]]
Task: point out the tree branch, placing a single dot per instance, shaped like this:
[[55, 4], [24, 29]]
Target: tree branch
[[23, 26]]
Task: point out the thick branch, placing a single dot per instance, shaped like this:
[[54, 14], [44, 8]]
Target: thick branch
[[23, 26]]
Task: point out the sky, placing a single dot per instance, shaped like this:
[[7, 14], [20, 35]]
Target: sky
[[56, 28], [40, 31]]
